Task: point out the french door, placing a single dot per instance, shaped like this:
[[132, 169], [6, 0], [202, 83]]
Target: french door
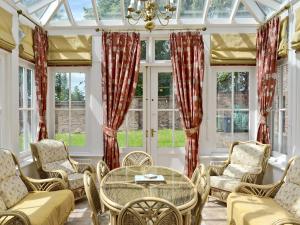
[[153, 123]]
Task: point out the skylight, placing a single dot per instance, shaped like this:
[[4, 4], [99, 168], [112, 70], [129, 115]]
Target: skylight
[[97, 13]]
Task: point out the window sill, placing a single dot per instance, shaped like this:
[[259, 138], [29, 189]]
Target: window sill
[[26, 161], [278, 162]]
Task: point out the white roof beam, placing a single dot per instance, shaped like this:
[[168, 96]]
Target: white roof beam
[[205, 11], [270, 3], [37, 6], [234, 10], [178, 7], [96, 12], [69, 13], [53, 7], [122, 5], [253, 8]]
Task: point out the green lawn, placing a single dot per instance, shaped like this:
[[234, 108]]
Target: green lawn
[[75, 139]]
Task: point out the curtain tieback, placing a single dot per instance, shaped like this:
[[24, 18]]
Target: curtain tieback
[[42, 119], [263, 119], [110, 132], [189, 132]]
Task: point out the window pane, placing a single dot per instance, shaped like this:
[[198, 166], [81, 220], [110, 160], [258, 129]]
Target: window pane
[[144, 50], [135, 128], [224, 90], [62, 90], [21, 74], [25, 130], [62, 125], [242, 12], [60, 18], [29, 88], [241, 126], [165, 136], [77, 132], [109, 9], [78, 90], [241, 90], [220, 9], [137, 102], [224, 129], [165, 91], [162, 50], [82, 10], [284, 104], [192, 9], [179, 134]]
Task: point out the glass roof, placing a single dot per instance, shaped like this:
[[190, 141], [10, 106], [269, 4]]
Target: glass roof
[[95, 13]]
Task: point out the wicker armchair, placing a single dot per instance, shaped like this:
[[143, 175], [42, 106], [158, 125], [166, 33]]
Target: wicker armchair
[[102, 169], [202, 182], [52, 160], [153, 210], [19, 193], [247, 163], [137, 158], [93, 197], [274, 204]]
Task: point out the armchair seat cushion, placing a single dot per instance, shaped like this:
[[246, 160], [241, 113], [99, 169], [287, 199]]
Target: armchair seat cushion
[[75, 180], [64, 165], [245, 209], [239, 170], [47, 208], [224, 182]]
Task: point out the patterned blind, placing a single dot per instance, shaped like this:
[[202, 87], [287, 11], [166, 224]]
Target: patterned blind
[[7, 41]]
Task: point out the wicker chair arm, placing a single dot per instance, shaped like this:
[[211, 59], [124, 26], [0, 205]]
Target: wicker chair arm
[[251, 177], [269, 190], [81, 167], [216, 170], [287, 221], [50, 184], [57, 174], [12, 217]]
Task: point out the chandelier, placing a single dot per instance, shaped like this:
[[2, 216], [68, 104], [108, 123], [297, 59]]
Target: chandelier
[[148, 10]]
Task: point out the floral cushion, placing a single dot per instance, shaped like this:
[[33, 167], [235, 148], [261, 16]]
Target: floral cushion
[[64, 165], [238, 170], [224, 182], [288, 197], [75, 180], [51, 151], [293, 174], [7, 165], [248, 154], [12, 190], [2, 204]]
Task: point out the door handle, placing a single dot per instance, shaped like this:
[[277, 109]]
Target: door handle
[[152, 132]]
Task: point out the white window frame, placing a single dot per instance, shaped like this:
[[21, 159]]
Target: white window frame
[[34, 117], [212, 100], [74, 150]]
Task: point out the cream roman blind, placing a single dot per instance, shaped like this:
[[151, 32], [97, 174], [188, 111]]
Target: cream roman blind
[[283, 38], [7, 41], [296, 36], [233, 49], [26, 45], [70, 50]]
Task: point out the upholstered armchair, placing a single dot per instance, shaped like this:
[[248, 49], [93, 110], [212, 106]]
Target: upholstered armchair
[[273, 204], [247, 162], [52, 159], [27, 201]]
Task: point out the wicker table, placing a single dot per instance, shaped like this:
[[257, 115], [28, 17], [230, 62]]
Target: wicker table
[[118, 188]]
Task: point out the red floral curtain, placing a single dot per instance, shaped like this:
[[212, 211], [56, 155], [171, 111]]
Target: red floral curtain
[[40, 47], [266, 57], [121, 53], [187, 52]]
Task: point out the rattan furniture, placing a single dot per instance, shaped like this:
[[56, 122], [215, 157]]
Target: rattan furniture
[[93, 197], [273, 204], [102, 169], [52, 159], [247, 162], [118, 188], [137, 158], [201, 180], [37, 201], [147, 211]]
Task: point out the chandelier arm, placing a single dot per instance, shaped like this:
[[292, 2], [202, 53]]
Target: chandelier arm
[[135, 22], [160, 21]]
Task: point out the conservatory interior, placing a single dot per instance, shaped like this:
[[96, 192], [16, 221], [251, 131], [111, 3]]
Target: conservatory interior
[[149, 112]]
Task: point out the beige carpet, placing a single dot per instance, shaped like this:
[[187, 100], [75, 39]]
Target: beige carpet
[[214, 213]]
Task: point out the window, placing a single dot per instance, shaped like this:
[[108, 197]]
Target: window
[[162, 50], [27, 108], [70, 108], [232, 107], [279, 114]]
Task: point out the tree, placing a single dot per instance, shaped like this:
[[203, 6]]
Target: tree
[[77, 94], [61, 87]]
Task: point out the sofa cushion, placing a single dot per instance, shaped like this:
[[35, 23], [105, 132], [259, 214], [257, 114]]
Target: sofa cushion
[[64, 165], [12, 190], [248, 154], [75, 180], [293, 174], [238, 170], [51, 151], [252, 210], [224, 182], [47, 208], [7, 164], [288, 197], [2, 204]]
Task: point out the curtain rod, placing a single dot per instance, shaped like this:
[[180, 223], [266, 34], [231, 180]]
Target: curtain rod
[[286, 7], [20, 12], [160, 29]]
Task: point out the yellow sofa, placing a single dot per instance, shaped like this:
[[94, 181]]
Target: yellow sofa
[[275, 204], [27, 201]]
